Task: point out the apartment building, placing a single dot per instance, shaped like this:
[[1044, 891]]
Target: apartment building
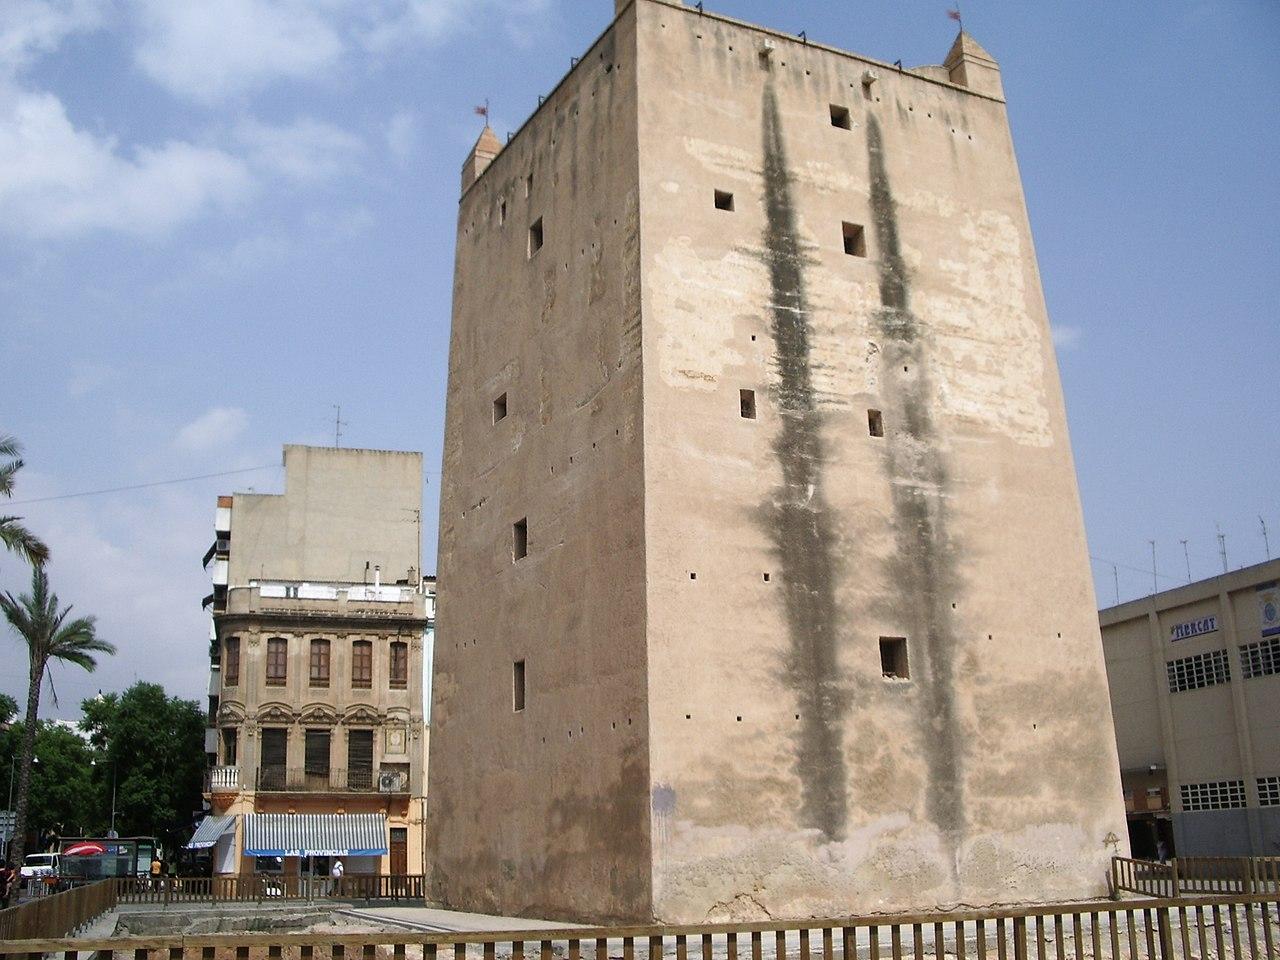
[[317, 736], [766, 587], [1195, 691]]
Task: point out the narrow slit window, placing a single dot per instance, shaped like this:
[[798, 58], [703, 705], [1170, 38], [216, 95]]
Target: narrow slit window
[[502, 212], [517, 686], [747, 404], [520, 539], [724, 200], [500, 408], [893, 658], [840, 117], [875, 423], [528, 185], [535, 237], [855, 239]]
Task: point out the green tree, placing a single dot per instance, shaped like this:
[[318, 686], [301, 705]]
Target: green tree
[[8, 709], [62, 798], [50, 635], [153, 745], [16, 538]]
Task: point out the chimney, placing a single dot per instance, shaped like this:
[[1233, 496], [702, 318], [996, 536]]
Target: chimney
[[377, 577]]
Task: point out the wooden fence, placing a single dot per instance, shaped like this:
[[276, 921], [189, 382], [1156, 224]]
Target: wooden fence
[[57, 914], [1227, 928], [1190, 876]]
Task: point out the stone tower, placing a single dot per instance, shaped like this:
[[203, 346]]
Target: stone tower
[[764, 588]]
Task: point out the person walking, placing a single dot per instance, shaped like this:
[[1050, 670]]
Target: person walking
[[157, 870], [8, 883], [336, 875]]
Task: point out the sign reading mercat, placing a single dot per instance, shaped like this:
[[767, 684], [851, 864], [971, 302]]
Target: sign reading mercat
[[1193, 628]]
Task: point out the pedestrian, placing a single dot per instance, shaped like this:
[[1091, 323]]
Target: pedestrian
[[336, 875], [157, 870], [8, 883]]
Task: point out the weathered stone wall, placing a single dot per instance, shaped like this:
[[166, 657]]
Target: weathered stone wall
[[544, 812], [789, 777]]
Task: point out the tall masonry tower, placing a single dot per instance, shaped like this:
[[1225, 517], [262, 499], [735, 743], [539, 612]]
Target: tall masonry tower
[[763, 580]]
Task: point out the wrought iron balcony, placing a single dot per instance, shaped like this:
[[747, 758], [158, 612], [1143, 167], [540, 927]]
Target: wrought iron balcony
[[280, 779]]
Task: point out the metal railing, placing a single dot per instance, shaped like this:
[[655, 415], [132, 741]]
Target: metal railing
[[1190, 876], [262, 887], [1225, 928], [57, 914], [278, 779]]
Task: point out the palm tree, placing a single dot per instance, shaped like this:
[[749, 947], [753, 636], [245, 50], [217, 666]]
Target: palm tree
[[13, 534], [50, 636]]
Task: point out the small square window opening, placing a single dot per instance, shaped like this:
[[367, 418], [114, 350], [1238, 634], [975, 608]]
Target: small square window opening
[[747, 404], [724, 200], [535, 237], [840, 117], [517, 686], [893, 658], [520, 539], [500, 408], [855, 239], [875, 423]]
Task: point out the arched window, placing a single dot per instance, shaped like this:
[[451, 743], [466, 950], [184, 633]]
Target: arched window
[[399, 665], [277, 661], [231, 662], [362, 664], [319, 663]]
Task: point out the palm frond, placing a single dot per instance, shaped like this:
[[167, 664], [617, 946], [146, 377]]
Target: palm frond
[[9, 446], [18, 539], [7, 472]]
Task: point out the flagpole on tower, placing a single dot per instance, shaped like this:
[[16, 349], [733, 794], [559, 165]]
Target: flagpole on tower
[[954, 14]]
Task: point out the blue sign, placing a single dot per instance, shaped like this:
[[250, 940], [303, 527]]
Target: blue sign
[[1193, 628]]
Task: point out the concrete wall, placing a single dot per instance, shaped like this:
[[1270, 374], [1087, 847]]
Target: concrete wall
[[708, 733], [341, 509], [789, 777], [543, 812]]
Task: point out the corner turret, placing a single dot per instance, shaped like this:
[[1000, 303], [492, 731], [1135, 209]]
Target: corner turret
[[971, 66], [482, 154]]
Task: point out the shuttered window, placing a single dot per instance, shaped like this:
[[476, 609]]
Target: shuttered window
[[231, 662], [319, 663], [362, 664], [360, 759], [277, 661], [316, 761], [399, 665], [275, 757]]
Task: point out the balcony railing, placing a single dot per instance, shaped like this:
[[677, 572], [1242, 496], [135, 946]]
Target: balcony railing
[[277, 779], [219, 779]]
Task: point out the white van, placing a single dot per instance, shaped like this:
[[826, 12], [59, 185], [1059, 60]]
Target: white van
[[36, 865]]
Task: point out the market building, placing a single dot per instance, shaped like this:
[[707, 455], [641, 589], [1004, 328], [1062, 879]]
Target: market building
[[1195, 691]]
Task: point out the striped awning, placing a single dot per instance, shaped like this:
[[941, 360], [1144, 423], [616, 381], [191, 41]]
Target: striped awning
[[210, 832], [315, 834]]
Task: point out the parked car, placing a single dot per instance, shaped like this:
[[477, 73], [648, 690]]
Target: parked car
[[39, 865]]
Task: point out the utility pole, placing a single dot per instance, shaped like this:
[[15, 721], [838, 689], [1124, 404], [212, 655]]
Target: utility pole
[[1222, 547], [1266, 543], [1115, 576], [1187, 557], [1155, 577]]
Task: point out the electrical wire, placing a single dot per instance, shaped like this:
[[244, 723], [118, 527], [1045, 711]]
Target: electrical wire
[[139, 486]]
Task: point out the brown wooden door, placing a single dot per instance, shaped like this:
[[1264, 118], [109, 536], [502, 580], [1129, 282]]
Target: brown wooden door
[[399, 851]]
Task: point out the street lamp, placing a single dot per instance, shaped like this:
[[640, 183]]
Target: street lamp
[[112, 832]]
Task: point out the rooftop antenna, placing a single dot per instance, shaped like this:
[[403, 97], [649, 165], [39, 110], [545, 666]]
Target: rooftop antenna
[[1115, 576], [1222, 546], [1266, 543], [1187, 557], [1155, 585], [338, 424]]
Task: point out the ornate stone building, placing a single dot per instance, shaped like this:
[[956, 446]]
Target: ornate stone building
[[317, 739]]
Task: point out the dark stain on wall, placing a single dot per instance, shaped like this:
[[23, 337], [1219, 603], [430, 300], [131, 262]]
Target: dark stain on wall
[[798, 518], [922, 568]]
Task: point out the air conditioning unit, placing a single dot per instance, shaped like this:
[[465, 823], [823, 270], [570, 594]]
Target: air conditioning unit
[[393, 781]]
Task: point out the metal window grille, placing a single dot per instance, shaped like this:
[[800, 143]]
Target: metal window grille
[[1261, 659], [1201, 670], [1269, 791], [1214, 795]]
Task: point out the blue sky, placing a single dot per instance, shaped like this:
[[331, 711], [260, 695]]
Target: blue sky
[[218, 220]]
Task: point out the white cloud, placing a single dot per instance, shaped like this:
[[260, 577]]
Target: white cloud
[[400, 22], [29, 28], [1067, 337], [57, 181], [87, 376], [210, 51], [305, 150], [402, 136], [216, 428]]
